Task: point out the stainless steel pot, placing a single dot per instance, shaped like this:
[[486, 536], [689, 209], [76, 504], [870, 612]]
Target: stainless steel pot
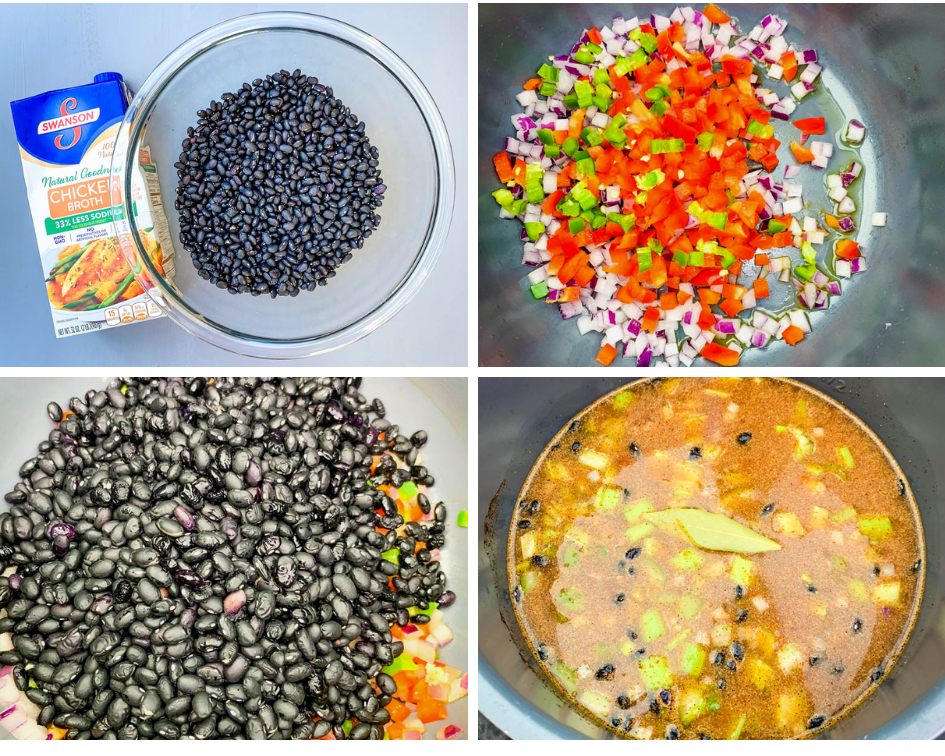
[[437, 405], [883, 64], [517, 417]]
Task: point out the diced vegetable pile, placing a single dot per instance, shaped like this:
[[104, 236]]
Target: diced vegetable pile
[[643, 171]]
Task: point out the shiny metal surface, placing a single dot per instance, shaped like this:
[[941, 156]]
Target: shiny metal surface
[[517, 417], [883, 64]]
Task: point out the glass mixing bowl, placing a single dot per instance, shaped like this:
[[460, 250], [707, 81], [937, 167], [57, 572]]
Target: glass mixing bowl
[[416, 164]]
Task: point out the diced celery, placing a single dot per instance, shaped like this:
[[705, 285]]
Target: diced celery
[[566, 676], [765, 641], [593, 459], [679, 639], [721, 634], [570, 599], [800, 411], [529, 581], [655, 673], [690, 606], [462, 519], [571, 554], [607, 498], [693, 659], [846, 457], [787, 523], [818, 517], [594, 702], [789, 658], [887, 593], [626, 647], [759, 673], [858, 590], [688, 560], [844, 514], [737, 732], [653, 572], [639, 532], [528, 544], [632, 514], [623, 400], [575, 534], [667, 597], [691, 706], [741, 570], [652, 547], [790, 709], [875, 528], [652, 626]]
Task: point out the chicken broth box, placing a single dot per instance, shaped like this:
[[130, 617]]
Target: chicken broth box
[[66, 140]]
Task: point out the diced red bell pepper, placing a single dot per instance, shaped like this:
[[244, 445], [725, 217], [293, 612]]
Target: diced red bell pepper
[[812, 125], [503, 167], [715, 15], [606, 354], [720, 354], [792, 334]]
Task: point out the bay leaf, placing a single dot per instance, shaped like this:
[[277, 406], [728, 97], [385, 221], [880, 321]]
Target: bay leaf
[[713, 531]]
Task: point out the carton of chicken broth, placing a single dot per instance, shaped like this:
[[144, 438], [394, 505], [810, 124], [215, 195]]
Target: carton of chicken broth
[[66, 140]]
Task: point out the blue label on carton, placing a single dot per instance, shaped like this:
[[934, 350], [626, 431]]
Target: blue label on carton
[[58, 127]]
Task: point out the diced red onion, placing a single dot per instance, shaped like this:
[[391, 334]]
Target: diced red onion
[[810, 73], [847, 224], [570, 309], [855, 131], [760, 339], [846, 206], [834, 288]]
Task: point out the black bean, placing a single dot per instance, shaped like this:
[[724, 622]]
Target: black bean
[[605, 673], [278, 185], [54, 411]]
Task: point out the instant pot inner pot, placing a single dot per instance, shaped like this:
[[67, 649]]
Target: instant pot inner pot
[[882, 65], [519, 416]]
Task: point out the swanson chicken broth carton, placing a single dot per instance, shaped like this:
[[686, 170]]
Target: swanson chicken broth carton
[[66, 140]]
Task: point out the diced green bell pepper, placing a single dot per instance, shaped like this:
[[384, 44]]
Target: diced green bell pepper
[[539, 290], [534, 230]]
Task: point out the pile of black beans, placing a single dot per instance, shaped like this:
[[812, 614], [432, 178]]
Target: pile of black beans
[[277, 186], [201, 558]]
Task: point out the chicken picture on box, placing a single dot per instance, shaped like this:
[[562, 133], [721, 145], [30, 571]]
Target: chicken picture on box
[[66, 140]]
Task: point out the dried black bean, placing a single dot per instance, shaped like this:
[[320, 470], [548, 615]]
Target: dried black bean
[[277, 186]]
